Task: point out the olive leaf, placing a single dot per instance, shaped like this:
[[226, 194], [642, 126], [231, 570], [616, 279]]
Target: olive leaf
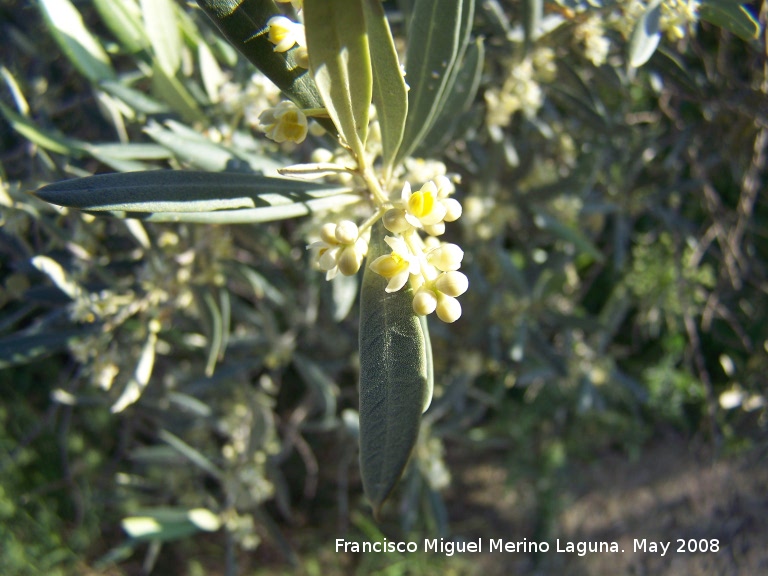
[[340, 63], [395, 382]]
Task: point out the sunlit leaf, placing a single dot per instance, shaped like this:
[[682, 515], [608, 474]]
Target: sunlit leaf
[[341, 65], [393, 379], [163, 31], [81, 48], [460, 97], [646, 35], [434, 39], [123, 18], [390, 95]]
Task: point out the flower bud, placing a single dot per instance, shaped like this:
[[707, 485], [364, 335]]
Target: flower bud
[[328, 233], [452, 209], [424, 302], [452, 283], [349, 261], [394, 221], [448, 309], [446, 257], [346, 232], [435, 229]]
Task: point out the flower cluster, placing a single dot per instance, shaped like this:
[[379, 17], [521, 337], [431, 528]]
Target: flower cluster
[[429, 266], [341, 248]]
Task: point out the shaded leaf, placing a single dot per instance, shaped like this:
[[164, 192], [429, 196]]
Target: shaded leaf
[[18, 349], [181, 191], [52, 141], [244, 23], [393, 379], [732, 16]]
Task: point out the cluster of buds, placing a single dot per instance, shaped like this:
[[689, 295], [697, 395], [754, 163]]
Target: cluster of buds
[[429, 266], [341, 248]]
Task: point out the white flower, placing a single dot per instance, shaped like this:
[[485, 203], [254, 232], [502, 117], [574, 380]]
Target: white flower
[[284, 123], [422, 208], [284, 33], [397, 266]]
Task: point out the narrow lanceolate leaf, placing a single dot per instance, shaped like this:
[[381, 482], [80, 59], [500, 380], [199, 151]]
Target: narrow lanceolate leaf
[[460, 97], [244, 23], [732, 16], [646, 35], [179, 191], [53, 141], [180, 196], [340, 63], [394, 379], [434, 38], [81, 48], [390, 95], [163, 31], [123, 18]]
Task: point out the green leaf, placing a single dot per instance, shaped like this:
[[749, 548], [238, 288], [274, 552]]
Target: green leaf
[[244, 23], [732, 16], [390, 95], [341, 66], [394, 379], [646, 35], [434, 39], [568, 234], [213, 323], [136, 99], [52, 141], [81, 48], [533, 11], [18, 349], [169, 523], [163, 32], [460, 97], [181, 196], [190, 453], [168, 88], [123, 18]]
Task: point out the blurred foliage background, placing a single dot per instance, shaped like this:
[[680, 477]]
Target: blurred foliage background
[[615, 238]]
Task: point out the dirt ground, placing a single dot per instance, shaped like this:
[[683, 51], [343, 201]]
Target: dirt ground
[[674, 490]]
